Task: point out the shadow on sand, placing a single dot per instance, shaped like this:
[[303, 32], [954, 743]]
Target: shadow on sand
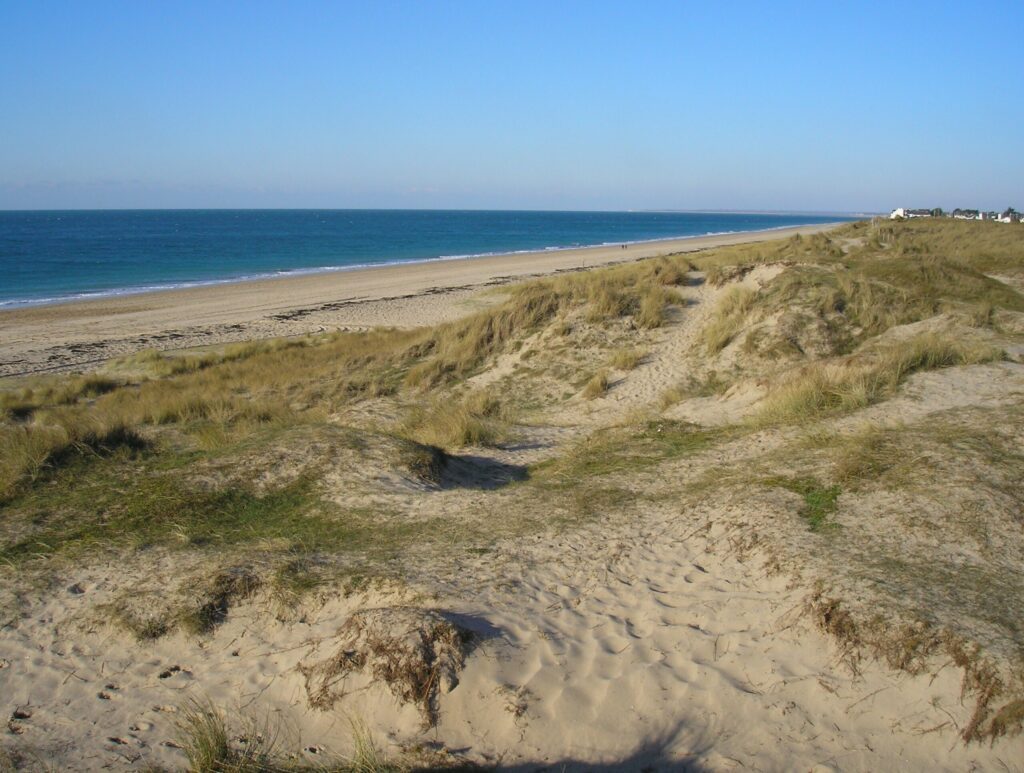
[[480, 472], [651, 756]]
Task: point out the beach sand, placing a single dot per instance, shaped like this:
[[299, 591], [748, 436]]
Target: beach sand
[[82, 334]]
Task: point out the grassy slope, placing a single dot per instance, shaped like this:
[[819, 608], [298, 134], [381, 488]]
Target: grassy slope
[[185, 453]]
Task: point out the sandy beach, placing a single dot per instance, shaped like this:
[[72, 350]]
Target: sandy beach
[[77, 335]]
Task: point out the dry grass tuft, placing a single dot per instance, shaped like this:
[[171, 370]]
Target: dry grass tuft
[[26, 450], [652, 307], [597, 386], [855, 382], [213, 602], [866, 455], [417, 653], [479, 419], [627, 359], [728, 318]]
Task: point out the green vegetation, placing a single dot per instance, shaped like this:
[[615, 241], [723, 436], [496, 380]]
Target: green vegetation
[[819, 500], [87, 508], [627, 449]]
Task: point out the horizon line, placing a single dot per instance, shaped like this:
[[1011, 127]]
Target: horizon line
[[705, 211]]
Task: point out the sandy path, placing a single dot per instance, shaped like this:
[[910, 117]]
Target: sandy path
[[81, 334]]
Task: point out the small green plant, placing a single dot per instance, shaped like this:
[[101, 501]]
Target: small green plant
[[203, 736], [820, 501]]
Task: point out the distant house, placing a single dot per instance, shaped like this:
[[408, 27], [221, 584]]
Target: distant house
[[1009, 215], [904, 212]]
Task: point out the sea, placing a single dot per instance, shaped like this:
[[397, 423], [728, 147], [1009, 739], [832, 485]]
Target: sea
[[56, 256]]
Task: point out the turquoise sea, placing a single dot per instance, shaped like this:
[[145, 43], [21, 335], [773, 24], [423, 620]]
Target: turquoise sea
[[51, 256]]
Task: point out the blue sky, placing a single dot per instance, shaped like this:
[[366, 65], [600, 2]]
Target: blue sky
[[572, 105]]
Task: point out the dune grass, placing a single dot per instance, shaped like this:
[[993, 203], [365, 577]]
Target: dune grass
[[728, 317], [456, 350], [21, 402], [479, 418], [627, 359], [210, 747], [636, 446], [597, 386], [854, 382], [98, 505], [864, 278]]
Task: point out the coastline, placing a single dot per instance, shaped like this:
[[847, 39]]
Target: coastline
[[81, 333]]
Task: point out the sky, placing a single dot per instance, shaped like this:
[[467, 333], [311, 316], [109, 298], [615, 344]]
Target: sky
[[827, 106]]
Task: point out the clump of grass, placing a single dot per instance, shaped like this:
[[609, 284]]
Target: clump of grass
[[866, 455], [456, 350], [478, 419], [712, 383], [597, 386], [424, 461], [606, 301], [718, 275], [672, 396], [209, 747], [652, 307], [820, 501], [53, 440], [627, 359], [203, 736], [147, 624], [728, 318], [854, 382], [19, 404]]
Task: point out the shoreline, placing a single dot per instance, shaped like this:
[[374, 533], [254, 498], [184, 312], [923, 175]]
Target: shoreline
[[79, 333], [189, 284]]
